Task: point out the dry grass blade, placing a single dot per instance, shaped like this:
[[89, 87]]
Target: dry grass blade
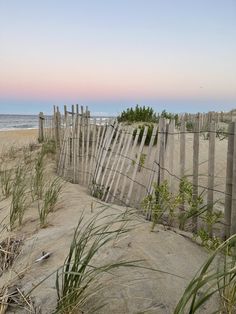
[[3, 301], [9, 250], [13, 297]]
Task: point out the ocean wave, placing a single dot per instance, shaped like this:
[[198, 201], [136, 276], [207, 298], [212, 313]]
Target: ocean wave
[[17, 129]]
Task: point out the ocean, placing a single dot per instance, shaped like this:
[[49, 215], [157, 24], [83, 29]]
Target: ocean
[[16, 122]]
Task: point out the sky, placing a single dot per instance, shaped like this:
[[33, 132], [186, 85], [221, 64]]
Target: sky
[[177, 55]]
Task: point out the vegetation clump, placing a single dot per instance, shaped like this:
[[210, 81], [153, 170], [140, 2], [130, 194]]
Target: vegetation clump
[[164, 207], [49, 147], [217, 278], [159, 202], [170, 116], [49, 201], [38, 177], [138, 114], [19, 197], [6, 182], [189, 126], [148, 117], [77, 281]]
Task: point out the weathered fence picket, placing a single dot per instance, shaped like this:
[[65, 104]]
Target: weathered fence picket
[[196, 139]]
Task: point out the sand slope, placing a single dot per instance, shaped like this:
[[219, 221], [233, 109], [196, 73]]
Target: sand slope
[[134, 290], [128, 291]]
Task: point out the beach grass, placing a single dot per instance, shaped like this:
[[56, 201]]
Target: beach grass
[[19, 197], [38, 177], [6, 182], [49, 200], [78, 279], [216, 279]]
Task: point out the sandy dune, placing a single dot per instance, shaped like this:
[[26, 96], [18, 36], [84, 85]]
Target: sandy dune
[[17, 138], [175, 257]]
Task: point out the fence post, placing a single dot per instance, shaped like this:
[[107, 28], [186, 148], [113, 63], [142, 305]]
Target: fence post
[[211, 168], [41, 127], [196, 139], [171, 152], [182, 155], [182, 148], [162, 150], [65, 114], [229, 174], [72, 142], [233, 203], [56, 124]]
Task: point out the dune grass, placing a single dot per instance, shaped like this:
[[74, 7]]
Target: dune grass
[[6, 182], [77, 280], [49, 200], [38, 177], [49, 147], [216, 279], [19, 197]]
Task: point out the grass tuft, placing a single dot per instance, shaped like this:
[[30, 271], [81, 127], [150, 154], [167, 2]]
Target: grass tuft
[[6, 182], [19, 197], [38, 178], [50, 199], [9, 250], [217, 278], [78, 278], [49, 147]]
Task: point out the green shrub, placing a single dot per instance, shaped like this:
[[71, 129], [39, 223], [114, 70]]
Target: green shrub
[[170, 116], [138, 114], [98, 191], [189, 126], [159, 202], [162, 201]]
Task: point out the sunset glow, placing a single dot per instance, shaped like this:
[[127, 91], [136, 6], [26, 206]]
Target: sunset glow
[[118, 51]]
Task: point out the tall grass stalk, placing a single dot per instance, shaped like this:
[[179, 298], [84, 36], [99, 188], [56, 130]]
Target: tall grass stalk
[[79, 274], [213, 281], [38, 178], [6, 182], [50, 199], [19, 197]]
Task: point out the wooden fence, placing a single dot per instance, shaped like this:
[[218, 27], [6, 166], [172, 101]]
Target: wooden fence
[[120, 163], [205, 119]]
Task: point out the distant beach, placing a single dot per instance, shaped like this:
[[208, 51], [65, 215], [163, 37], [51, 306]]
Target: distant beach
[[17, 138]]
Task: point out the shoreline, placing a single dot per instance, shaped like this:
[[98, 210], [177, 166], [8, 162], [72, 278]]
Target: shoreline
[[17, 129]]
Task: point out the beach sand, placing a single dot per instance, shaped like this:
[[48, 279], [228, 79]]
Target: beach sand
[[17, 138], [129, 290]]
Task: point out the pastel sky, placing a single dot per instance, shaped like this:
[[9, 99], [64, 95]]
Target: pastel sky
[[177, 55]]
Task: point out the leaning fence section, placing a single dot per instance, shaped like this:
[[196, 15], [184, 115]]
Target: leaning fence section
[[122, 164]]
